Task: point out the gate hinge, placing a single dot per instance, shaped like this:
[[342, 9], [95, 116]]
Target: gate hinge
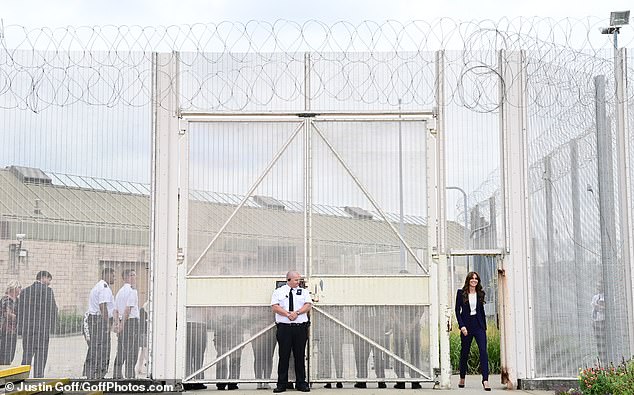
[[182, 127], [431, 126], [180, 256]]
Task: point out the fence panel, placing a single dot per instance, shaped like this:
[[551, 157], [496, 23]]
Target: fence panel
[[74, 197]]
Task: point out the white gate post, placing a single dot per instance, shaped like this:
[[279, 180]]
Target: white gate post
[[164, 217], [437, 224], [514, 273]]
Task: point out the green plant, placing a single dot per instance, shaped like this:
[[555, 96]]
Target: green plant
[[613, 380], [473, 363], [68, 323], [571, 391]]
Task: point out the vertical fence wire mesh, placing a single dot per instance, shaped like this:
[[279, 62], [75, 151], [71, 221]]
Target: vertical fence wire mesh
[[75, 200], [571, 234], [76, 153]]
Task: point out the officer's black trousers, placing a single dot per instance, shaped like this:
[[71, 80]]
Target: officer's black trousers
[[127, 349], [291, 337], [98, 356]]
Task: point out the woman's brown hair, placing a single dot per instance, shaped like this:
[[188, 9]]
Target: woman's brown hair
[[479, 291]]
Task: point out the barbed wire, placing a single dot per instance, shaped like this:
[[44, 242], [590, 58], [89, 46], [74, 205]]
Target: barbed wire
[[257, 65]]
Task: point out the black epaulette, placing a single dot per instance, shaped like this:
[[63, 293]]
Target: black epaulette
[[105, 285]]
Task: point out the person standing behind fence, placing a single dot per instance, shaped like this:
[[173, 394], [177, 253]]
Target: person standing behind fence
[[37, 315], [100, 310], [373, 322], [472, 323], [407, 337], [126, 316], [228, 333], [291, 303], [8, 322], [141, 363], [263, 345], [196, 345], [598, 324]]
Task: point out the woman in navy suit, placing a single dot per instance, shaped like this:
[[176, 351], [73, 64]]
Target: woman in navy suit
[[472, 323]]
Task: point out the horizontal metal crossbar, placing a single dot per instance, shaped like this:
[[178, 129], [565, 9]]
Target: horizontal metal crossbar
[[406, 116], [481, 252]]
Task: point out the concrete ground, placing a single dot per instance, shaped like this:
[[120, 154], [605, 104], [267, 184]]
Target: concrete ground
[[473, 386], [66, 358]]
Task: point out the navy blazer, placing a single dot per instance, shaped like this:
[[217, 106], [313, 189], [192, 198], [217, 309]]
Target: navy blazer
[[37, 310], [463, 310]]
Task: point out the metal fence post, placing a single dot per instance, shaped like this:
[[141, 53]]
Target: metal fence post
[[624, 174], [440, 256], [613, 281], [164, 219], [579, 255], [514, 272]]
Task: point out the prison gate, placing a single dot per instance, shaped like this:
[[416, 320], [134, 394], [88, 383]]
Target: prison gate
[[382, 174]]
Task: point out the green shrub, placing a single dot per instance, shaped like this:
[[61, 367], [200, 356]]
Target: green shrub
[[598, 380], [473, 363], [68, 323]]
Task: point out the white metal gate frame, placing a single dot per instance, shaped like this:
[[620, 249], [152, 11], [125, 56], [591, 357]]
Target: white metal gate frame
[[309, 126]]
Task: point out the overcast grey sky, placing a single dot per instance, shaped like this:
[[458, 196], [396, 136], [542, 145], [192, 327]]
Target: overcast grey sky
[[55, 13], [52, 13]]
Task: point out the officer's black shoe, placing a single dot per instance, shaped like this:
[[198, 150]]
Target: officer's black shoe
[[382, 384], [221, 386], [290, 386], [339, 384], [360, 384], [232, 386], [416, 385], [303, 388], [277, 390], [400, 386], [328, 385]]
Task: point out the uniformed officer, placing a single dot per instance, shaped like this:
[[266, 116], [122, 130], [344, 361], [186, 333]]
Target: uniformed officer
[[126, 316], [328, 336], [196, 345], [263, 346], [291, 303], [407, 337], [373, 323], [228, 333], [100, 310]]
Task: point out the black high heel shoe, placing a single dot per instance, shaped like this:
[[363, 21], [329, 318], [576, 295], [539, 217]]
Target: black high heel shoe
[[461, 385], [485, 388]]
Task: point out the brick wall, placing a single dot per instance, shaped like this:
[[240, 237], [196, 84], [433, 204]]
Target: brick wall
[[74, 266]]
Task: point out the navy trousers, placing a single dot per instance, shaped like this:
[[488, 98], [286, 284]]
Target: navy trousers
[[474, 331]]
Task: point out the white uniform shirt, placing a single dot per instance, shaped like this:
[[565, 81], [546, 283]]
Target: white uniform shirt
[[127, 297], [301, 296], [100, 293]]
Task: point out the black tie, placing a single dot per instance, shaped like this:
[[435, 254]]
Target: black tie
[[290, 301]]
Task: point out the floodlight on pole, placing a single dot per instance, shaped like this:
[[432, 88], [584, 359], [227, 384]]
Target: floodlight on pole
[[617, 19]]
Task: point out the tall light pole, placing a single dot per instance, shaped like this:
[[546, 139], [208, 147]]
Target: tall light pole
[[610, 285]]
